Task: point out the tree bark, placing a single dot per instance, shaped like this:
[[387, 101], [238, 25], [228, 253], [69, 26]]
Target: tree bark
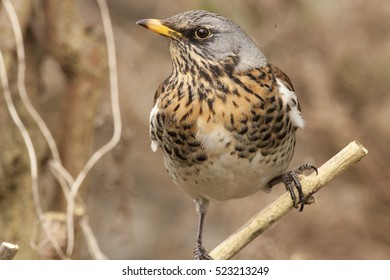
[[82, 56]]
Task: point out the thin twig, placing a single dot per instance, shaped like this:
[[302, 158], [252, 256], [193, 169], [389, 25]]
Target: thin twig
[[61, 174], [311, 184], [18, 122], [31, 153], [8, 251], [105, 16], [21, 81]]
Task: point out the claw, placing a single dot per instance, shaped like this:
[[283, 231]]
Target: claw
[[290, 179], [200, 253]]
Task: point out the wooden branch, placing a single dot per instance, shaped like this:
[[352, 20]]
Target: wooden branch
[[82, 54], [83, 57], [8, 251], [311, 184]]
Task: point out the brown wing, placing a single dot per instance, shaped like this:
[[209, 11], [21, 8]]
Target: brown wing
[[284, 79], [282, 76]]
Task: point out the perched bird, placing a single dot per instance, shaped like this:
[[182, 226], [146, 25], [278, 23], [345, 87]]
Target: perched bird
[[225, 118]]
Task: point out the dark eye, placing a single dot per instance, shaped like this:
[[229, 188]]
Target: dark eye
[[202, 32]]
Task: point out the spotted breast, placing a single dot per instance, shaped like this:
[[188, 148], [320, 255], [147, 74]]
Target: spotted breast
[[227, 133]]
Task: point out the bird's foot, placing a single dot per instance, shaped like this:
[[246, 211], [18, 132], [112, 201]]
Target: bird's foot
[[200, 253], [290, 180]]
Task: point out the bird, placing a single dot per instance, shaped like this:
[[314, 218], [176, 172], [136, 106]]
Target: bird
[[225, 118]]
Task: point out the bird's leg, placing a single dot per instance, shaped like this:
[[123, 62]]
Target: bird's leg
[[290, 179], [199, 252]]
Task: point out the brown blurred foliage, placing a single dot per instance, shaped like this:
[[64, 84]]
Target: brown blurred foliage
[[337, 54]]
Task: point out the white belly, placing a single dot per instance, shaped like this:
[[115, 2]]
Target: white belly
[[226, 177]]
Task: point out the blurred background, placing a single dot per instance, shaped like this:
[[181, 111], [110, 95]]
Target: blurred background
[[337, 54]]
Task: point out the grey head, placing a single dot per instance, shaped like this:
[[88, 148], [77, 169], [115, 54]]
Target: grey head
[[209, 37]]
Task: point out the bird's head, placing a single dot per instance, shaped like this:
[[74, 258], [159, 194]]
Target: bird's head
[[206, 38]]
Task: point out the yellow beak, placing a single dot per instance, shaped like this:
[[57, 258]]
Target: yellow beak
[[157, 26]]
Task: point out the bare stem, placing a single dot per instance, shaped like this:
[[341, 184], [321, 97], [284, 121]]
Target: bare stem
[[311, 184]]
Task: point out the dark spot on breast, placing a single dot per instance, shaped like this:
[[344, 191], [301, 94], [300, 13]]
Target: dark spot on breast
[[231, 119], [223, 88], [167, 149], [282, 135], [185, 116], [190, 96], [180, 90], [277, 128], [266, 136], [222, 95], [279, 117], [271, 110], [260, 105], [244, 120], [182, 136], [216, 70], [259, 97], [294, 101], [210, 103], [201, 95], [201, 157], [261, 75], [159, 136], [254, 138], [264, 129], [289, 126], [229, 68], [192, 70], [255, 118], [243, 130], [280, 102], [178, 141], [177, 107], [194, 144], [236, 93], [262, 144], [251, 76], [160, 119], [241, 155], [187, 126], [252, 149], [179, 154], [205, 75], [239, 148]]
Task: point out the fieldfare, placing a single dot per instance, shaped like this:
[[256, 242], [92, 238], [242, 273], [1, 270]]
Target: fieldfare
[[225, 118]]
